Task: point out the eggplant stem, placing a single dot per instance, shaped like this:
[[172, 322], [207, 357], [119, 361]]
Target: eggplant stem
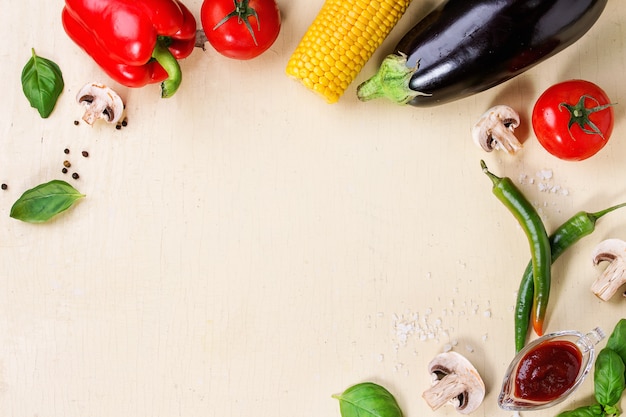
[[391, 81]]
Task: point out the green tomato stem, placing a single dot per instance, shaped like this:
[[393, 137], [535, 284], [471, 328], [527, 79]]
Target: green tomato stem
[[242, 12], [579, 115]]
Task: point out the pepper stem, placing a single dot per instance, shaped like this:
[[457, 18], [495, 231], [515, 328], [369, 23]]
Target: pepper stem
[[165, 58], [598, 214], [493, 177], [391, 81]]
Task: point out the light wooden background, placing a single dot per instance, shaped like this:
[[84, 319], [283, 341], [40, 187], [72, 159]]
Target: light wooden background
[[247, 249]]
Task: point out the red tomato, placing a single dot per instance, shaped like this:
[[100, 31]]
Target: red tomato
[[573, 120], [240, 29]]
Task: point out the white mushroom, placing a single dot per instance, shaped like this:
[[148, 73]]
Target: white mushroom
[[494, 130], [100, 102], [455, 381], [614, 276]]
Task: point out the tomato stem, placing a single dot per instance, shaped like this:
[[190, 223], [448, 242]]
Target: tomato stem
[[242, 12], [579, 115]]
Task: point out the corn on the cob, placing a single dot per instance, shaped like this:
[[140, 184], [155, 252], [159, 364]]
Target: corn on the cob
[[339, 42]]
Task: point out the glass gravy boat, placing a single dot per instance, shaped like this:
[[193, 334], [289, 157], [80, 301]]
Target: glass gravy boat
[[523, 376]]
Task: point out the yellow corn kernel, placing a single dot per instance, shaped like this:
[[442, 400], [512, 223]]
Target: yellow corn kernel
[[341, 39]]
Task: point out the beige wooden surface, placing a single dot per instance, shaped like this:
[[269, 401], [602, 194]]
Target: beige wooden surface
[[247, 249]]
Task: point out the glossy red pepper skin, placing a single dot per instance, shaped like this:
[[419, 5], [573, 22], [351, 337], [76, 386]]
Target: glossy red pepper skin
[[136, 42]]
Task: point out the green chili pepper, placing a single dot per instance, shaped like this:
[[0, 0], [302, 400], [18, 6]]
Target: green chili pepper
[[506, 191], [571, 231]]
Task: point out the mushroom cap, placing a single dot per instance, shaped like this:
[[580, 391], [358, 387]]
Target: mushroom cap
[[609, 250], [457, 382], [100, 102], [494, 129]]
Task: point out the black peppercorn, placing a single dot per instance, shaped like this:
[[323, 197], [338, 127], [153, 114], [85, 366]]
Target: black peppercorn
[[85, 154], [75, 175], [66, 151], [125, 122], [4, 186], [76, 122], [118, 126], [64, 170]]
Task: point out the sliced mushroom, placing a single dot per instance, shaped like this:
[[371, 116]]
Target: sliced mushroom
[[494, 130], [614, 276], [100, 102], [455, 381]]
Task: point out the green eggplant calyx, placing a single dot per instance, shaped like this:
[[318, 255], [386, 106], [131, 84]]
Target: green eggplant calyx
[[242, 12], [391, 81], [579, 115]]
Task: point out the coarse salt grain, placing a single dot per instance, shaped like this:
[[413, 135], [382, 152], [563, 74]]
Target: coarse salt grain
[[545, 174]]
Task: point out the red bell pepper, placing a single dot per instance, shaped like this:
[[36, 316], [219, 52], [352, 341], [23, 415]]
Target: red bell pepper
[[136, 42]]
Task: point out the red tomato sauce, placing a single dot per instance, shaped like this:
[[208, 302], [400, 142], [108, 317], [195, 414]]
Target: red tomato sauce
[[548, 370]]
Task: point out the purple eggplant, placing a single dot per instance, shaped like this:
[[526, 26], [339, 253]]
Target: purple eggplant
[[467, 46]]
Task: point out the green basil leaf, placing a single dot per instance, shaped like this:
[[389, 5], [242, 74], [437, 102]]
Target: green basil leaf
[[368, 400], [611, 410], [45, 201], [42, 83], [608, 377], [595, 410], [617, 340]]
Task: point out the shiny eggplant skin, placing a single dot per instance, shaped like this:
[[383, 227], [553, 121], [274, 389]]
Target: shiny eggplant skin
[[467, 46]]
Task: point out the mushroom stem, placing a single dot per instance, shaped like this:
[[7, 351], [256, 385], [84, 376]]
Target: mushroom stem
[[456, 381], [450, 387], [494, 130], [94, 111], [505, 139], [609, 282], [614, 276]]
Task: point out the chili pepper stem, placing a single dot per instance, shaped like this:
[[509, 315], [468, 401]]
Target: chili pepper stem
[[165, 58], [493, 177], [601, 213]]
